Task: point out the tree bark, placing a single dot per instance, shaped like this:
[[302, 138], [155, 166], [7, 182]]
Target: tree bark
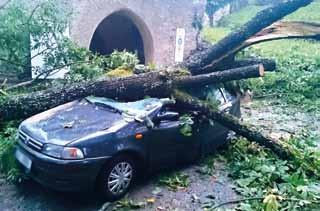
[[204, 62], [268, 64], [155, 84], [253, 71], [188, 102]]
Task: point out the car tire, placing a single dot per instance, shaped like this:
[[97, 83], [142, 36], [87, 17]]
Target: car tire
[[116, 177]]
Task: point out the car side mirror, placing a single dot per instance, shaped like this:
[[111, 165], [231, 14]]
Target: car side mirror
[[145, 120], [167, 116]]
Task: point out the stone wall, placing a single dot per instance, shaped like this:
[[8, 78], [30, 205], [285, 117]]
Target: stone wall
[[157, 21]]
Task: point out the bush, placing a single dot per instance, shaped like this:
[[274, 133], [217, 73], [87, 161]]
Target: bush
[[92, 66], [122, 59], [8, 165]]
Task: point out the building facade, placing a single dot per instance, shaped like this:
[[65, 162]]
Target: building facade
[[147, 27]]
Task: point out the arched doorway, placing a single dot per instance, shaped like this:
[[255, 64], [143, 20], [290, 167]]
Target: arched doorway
[[123, 30]]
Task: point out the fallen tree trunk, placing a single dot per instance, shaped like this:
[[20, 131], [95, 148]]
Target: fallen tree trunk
[[204, 62], [155, 84], [188, 102], [268, 64], [253, 71], [281, 149]]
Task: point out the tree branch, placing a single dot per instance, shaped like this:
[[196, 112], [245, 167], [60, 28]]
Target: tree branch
[[285, 30], [204, 62]]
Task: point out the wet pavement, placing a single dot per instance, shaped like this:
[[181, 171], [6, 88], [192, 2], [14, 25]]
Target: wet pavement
[[202, 189], [280, 121]]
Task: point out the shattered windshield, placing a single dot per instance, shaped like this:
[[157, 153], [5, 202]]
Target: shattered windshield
[[139, 108]]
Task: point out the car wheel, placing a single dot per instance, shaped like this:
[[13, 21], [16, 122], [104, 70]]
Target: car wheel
[[117, 177]]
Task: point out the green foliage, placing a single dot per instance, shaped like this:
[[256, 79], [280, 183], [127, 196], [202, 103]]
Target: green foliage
[[122, 59], [271, 203], [175, 181], [84, 65], [298, 77], [123, 205], [284, 185], [8, 164], [46, 21], [126, 204], [152, 66], [307, 153], [207, 165], [92, 66], [186, 123], [13, 45]]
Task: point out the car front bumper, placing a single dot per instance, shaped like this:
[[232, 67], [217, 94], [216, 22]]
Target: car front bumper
[[62, 175]]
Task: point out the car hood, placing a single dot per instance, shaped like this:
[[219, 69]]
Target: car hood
[[70, 122]]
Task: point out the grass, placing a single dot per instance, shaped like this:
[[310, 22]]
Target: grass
[[297, 81], [236, 20], [310, 13], [215, 34]]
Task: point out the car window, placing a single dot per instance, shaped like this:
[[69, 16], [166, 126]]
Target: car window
[[131, 110], [209, 93]]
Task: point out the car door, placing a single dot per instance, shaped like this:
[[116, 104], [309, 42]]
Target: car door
[[168, 146]]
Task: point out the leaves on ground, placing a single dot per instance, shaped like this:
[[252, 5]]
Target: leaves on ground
[[175, 181]]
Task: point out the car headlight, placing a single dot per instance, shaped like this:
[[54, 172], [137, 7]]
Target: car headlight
[[68, 153]]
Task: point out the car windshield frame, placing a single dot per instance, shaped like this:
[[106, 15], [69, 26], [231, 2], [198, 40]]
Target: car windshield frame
[[132, 110]]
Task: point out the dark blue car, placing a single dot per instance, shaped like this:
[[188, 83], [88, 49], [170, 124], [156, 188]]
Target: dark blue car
[[98, 142]]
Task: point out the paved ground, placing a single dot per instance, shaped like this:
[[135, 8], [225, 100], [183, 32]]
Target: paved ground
[[280, 121], [31, 196], [273, 118]]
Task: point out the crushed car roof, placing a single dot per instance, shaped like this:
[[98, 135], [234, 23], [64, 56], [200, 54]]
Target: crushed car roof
[[137, 108]]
